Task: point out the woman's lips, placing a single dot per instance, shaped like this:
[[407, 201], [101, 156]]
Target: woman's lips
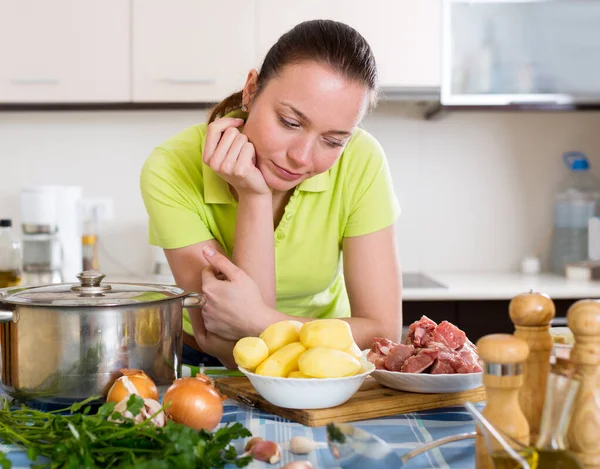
[[285, 174]]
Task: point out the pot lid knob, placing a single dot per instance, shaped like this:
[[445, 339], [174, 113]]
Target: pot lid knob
[[90, 282], [90, 278]]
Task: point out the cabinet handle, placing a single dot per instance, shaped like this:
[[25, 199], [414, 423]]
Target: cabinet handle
[[189, 81], [34, 81]]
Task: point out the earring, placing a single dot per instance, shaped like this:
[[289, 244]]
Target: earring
[[244, 108]]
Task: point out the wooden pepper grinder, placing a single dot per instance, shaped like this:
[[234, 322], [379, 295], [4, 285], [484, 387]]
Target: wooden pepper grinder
[[531, 314], [583, 436], [503, 356]]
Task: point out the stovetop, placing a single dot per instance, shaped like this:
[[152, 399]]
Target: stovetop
[[419, 280]]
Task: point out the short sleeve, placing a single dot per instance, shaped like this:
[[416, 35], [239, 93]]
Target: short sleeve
[[371, 201], [172, 203]]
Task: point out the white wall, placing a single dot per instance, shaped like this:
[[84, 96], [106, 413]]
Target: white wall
[[475, 188]]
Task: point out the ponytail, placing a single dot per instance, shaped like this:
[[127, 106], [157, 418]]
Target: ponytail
[[229, 104]]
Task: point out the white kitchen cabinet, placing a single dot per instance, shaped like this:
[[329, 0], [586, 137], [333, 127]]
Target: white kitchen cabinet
[[405, 35], [65, 51], [191, 50]]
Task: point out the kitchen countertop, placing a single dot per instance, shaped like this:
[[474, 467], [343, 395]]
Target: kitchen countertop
[[457, 285], [499, 286]]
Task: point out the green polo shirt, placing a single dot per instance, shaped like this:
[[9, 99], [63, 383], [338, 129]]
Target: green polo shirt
[[187, 203]]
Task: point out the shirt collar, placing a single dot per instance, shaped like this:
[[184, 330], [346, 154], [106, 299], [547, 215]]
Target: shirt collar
[[216, 189]]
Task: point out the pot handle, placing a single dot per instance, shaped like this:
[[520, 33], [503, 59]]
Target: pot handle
[[6, 316], [194, 300]]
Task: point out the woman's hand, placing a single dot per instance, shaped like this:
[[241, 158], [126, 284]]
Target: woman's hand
[[228, 152], [234, 306]]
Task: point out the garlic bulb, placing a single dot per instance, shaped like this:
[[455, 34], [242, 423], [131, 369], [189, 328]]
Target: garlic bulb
[[150, 408]]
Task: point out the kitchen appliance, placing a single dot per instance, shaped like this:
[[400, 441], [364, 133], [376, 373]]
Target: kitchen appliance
[[521, 53], [52, 229], [65, 342]]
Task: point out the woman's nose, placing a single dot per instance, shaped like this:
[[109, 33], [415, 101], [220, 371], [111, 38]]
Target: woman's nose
[[301, 151]]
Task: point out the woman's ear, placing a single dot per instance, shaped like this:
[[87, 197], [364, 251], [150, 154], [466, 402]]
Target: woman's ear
[[250, 88]]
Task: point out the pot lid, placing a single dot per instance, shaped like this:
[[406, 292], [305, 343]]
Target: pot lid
[[90, 292]]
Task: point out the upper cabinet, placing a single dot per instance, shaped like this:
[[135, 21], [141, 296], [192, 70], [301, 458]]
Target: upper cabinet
[[177, 51], [191, 50], [405, 35], [56, 51]]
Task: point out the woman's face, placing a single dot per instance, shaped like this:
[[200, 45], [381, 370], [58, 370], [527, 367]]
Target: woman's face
[[301, 121]]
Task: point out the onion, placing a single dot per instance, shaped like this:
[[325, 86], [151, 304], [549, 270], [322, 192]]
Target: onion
[[132, 382], [194, 402]]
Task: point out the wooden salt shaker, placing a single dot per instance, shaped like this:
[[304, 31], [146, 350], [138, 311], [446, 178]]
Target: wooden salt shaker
[[503, 356], [583, 436], [531, 313]]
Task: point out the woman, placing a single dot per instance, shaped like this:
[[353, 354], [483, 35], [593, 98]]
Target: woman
[[256, 208]]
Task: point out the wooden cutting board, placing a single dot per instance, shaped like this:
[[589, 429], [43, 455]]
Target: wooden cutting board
[[372, 400]]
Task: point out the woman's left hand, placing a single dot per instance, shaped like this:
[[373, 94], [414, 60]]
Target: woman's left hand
[[234, 306]]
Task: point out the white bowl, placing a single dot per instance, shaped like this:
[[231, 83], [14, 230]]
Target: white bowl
[[427, 383], [308, 393]]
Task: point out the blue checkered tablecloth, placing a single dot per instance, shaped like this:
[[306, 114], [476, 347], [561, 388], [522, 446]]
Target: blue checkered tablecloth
[[403, 432]]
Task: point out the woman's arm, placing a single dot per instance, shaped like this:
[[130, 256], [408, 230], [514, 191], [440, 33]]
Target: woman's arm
[[228, 152], [374, 283], [254, 245], [187, 265]]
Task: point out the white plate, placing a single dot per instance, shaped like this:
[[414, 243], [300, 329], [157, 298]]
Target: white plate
[[427, 383]]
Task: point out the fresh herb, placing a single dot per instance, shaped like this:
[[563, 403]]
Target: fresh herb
[[335, 434], [73, 438]]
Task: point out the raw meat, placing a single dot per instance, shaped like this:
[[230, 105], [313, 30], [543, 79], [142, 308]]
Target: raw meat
[[420, 362], [381, 345], [470, 360], [397, 356], [377, 360], [447, 334], [428, 347], [418, 330]]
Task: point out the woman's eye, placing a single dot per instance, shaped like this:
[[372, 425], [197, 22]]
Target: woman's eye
[[288, 124], [333, 144]]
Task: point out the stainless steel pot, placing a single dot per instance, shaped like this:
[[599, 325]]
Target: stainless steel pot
[[65, 342]]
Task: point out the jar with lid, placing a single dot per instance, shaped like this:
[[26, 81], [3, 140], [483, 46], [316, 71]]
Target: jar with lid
[[11, 255]]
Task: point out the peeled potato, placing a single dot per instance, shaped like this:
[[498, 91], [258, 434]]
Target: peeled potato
[[298, 374], [282, 362], [355, 351], [280, 334], [330, 333], [323, 362], [250, 352]]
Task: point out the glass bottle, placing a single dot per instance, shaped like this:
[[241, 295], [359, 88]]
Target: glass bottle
[[89, 246], [11, 255], [549, 451]]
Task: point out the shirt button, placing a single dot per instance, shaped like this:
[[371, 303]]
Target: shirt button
[[288, 216], [280, 236]]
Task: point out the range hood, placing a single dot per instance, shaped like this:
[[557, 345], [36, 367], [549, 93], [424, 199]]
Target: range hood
[[521, 54]]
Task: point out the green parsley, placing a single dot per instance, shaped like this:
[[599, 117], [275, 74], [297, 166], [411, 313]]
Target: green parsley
[[74, 438]]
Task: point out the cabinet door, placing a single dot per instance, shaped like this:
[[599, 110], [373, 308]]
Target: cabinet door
[[405, 35], [64, 51], [191, 50]]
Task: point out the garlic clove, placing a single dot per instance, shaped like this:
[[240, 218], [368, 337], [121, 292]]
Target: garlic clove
[[301, 445], [266, 451], [251, 442], [298, 465], [151, 407]]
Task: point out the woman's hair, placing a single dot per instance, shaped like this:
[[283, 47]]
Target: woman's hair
[[331, 43]]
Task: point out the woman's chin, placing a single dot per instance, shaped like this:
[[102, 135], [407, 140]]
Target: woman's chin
[[279, 185]]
